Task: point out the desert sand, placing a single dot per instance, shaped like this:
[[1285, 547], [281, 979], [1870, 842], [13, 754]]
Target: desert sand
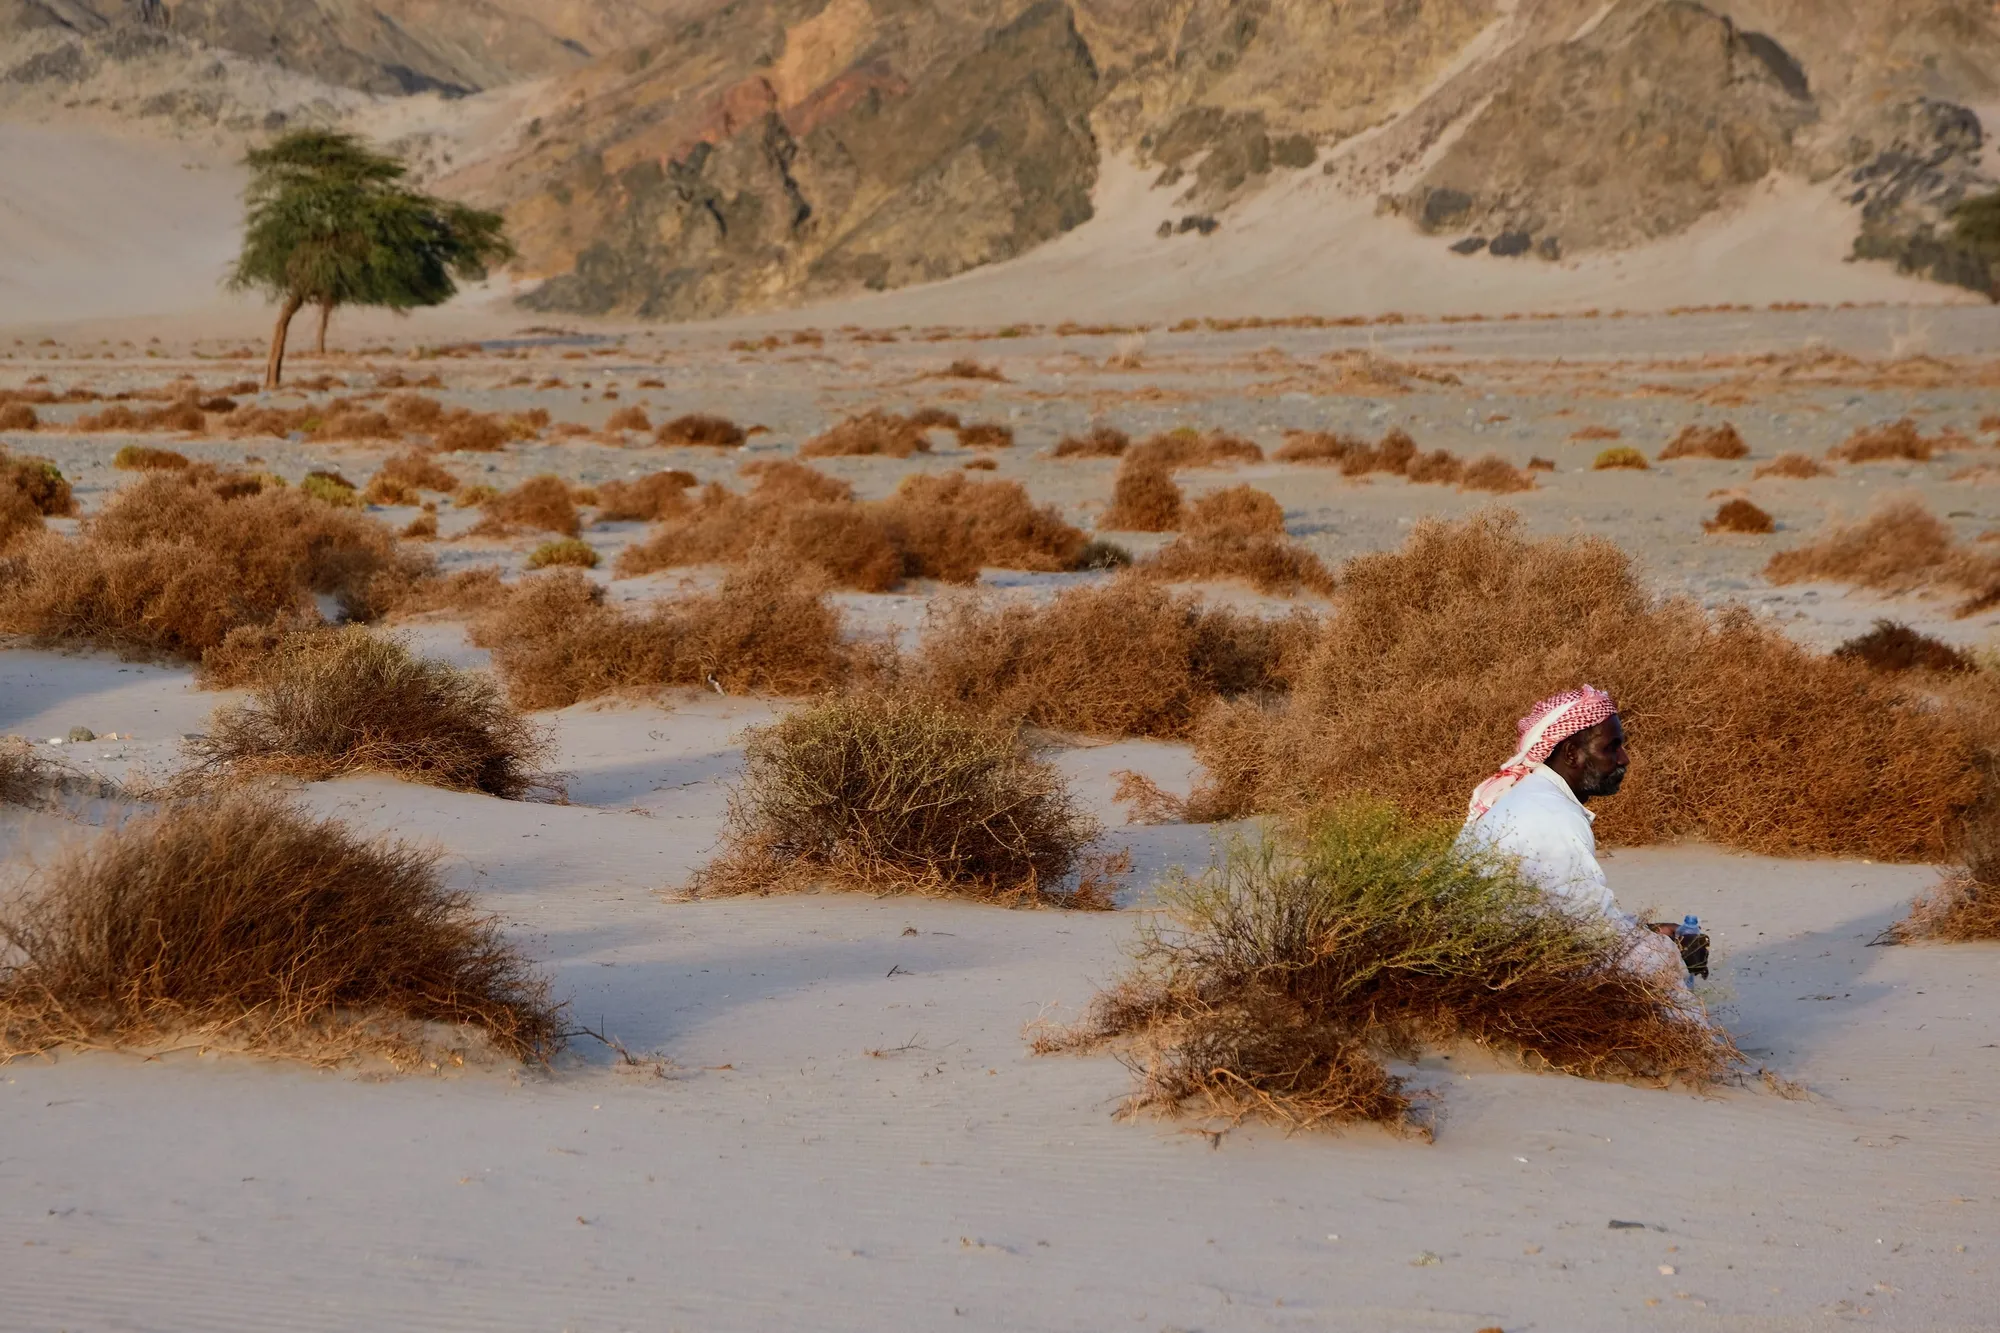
[[830, 1118]]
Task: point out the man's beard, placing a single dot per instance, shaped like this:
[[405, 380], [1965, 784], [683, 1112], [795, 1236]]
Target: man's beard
[[1600, 784]]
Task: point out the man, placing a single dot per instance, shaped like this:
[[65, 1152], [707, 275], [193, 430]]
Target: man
[[1535, 810]]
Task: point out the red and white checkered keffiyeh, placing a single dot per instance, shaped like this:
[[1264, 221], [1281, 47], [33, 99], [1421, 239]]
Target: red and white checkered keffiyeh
[[1547, 725]]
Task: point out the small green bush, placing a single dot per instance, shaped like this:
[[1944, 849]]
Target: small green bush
[[332, 488], [1621, 456], [567, 551]]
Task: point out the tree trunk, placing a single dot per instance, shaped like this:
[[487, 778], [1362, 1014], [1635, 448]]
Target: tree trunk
[[325, 314], [274, 367]]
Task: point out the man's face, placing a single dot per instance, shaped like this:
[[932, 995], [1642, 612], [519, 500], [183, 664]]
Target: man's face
[[1600, 759]]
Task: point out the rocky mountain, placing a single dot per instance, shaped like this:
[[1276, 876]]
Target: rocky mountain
[[383, 46], [689, 158]]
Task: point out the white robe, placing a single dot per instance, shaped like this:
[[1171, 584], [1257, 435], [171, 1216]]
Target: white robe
[[1540, 823]]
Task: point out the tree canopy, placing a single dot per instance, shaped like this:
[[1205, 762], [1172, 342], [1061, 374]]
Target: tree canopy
[[330, 222]]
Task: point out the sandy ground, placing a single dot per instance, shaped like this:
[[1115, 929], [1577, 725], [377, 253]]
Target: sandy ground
[[847, 1130]]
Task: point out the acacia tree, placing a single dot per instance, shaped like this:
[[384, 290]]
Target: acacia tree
[[329, 223]]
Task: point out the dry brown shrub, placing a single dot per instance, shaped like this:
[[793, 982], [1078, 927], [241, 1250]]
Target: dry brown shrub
[[413, 412], [1706, 442], [467, 590], [1740, 516], [1539, 464], [781, 480], [185, 415], [471, 433], [39, 482], [766, 630], [896, 794], [1273, 984], [1268, 563], [1796, 466], [18, 514], [1901, 547], [1097, 442], [700, 428], [422, 528], [1900, 441], [951, 526], [1491, 472], [971, 370], [935, 418], [1620, 456], [1187, 447], [628, 418], [247, 651], [1434, 651], [348, 701], [986, 435], [1439, 467], [1122, 658], [26, 778], [872, 433], [945, 527], [18, 416], [178, 559], [1590, 433], [1893, 648], [1320, 446], [141, 458], [413, 471], [980, 465], [1143, 498], [542, 503], [242, 920], [655, 496], [1243, 510]]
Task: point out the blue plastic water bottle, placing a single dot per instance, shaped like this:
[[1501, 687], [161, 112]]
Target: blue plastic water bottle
[[1690, 927]]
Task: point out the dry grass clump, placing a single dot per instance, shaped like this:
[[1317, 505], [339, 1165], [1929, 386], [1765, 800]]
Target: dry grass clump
[[628, 418], [464, 591], [1706, 442], [541, 503], [1593, 433], [144, 458], [570, 552], [935, 418], [1269, 563], [178, 559], [986, 435], [780, 479], [185, 416], [1795, 466], [950, 526], [18, 416], [1097, 442], [1144, 498], [980, 465], [38, 482], [348, 701], [972, 370], [330, 488], [243, 919], [945, 527], [18, 515], [896, 794], [1620, 456], [765, 630], [1901, 547], [1123, 658], [26, 778], [1491, 472], [1895, 648], [1899, 441], [472, 433], [646, 499], [1187, 447], [1439, 467], [422, 528], [1319, 446], [1965, 905], [402, 475], [699, 428], [1275, 983], [1740, 516], [1433, 652], [872, 433], [1244, 510]]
